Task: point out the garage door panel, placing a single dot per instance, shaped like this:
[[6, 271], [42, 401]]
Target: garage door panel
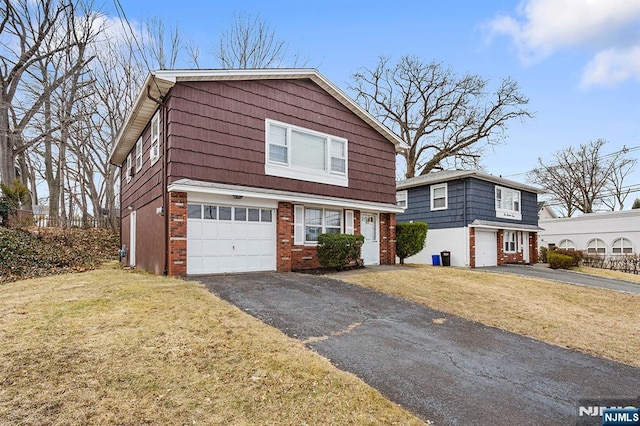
[[486, 248], [194, 247], [195, 226], [209, 230], [238, 244]]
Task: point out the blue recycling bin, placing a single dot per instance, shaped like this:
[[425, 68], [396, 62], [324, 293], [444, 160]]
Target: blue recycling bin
[[435, 260]]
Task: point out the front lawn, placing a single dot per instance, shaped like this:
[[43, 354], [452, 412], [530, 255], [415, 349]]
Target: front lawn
[[597, 321], [117, 347]]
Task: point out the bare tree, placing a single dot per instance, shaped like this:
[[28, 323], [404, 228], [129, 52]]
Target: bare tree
[[615, 189], [578, 179], [26, 28], [250, 43], [160, 46], [443, 118]]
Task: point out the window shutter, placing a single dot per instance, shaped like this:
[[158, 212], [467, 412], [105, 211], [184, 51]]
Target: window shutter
[[348, 222], [298, 230]]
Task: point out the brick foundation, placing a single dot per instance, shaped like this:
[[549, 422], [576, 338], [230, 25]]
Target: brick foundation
[[472, 247], [177, 234], [290, 257], [387, 238], [284, 236]]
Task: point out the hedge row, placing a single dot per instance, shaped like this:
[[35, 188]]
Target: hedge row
[[37, 252]]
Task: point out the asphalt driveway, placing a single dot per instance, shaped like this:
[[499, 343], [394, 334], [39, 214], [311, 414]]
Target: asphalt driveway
[[561, 275], [441, 367]]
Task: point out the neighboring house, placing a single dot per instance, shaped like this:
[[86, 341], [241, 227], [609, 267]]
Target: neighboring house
[[545, 212], [605, 233], [483, 220], [241, 170]]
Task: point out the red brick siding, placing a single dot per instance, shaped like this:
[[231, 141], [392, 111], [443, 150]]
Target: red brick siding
[[290, 257], [387, 238], [177, 234], [472, 247], [533, 247]]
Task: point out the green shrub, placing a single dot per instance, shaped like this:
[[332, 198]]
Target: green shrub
[[559, 261], [410, 239], [576, 255], [543, 254], [339, 250]]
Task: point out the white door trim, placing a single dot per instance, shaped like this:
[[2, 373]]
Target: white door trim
[[132, 238], [371, 248]]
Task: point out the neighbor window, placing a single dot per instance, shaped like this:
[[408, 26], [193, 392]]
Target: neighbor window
[[155, 138], [298, 153], [402, 199], [510, 241], [622, 246], [139, 154], [508, 203], [439, 197], [596, 246], [567, 245]]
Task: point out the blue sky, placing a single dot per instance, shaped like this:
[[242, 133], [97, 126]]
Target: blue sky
[[577, 60]]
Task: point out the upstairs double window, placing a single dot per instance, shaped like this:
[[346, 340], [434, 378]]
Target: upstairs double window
[[298, 153], [508, 203]]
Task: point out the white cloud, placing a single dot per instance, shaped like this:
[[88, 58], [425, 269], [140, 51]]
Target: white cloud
[[612, 66], [609, 29]]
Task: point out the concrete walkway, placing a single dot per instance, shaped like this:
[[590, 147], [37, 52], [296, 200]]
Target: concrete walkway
[[561, 275], [439, 366]]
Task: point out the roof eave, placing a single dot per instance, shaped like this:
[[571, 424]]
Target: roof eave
[[139, 116]]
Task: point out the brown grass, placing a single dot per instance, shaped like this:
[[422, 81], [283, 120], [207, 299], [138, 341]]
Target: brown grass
[[115, 347], [596, 321], [608, 273]]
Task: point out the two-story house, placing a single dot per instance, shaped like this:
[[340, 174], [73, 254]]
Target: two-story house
[[481, 219], [241, 170]]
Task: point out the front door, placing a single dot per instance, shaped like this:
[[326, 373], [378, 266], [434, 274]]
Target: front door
[[370, 230]]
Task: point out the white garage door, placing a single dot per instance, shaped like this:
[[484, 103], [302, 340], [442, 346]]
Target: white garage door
[[230, 239], [486, 248]]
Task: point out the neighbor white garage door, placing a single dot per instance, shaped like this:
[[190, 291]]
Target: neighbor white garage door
[[486, 248], [230, 239]]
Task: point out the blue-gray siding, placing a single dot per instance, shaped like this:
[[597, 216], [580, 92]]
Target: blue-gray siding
[[480, 204]]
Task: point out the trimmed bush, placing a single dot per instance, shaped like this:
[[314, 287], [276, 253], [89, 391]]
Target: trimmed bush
[[576, 255], [410, 239], [339, 250], [559, 261]]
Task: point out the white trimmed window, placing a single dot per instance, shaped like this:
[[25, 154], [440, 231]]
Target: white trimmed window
[[596, 246], [154, 153], [127, 168], [402, 199], [622, 246], [567, 245], [313, 221], [439, 198], [508, 203], [303, 154], [510, 241], [139, 154]]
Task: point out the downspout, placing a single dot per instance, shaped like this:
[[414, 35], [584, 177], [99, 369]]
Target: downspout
[[165, 198]]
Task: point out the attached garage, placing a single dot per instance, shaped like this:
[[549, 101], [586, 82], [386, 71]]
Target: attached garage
[[225, 238], [486, 248]]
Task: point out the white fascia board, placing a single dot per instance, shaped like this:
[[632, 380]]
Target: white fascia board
[[292, 197]]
